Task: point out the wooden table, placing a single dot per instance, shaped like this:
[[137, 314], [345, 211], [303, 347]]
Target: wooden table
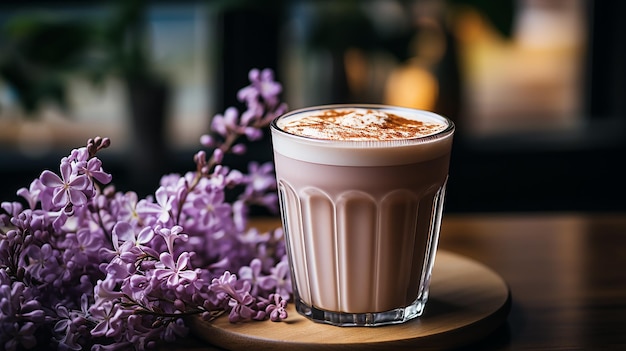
[[566, 273]]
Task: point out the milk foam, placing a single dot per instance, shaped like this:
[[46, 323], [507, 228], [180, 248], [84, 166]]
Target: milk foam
[[372, 145], [360, 124]]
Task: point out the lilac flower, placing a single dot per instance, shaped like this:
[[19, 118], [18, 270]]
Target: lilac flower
[[106, 290], [240, 214], [161, 210], [138, 288], [262, 85], [174, 329], [24, 336], [11, 209], [170, 235], [174, 272], [68, 189], [277, 309], [239, 149], [122, 232], [43, 262], [252, 134], [93, 169], [81, 264], [109, 319], [77, 156], [223, 124], [279, 280], [252, 274], [126, 206], [31, 195], [201, 162], [261, 98], [253, 237], [260, 186], [20, 314], [255, 108], [67, 328], [211, 207], [84, 246], [127, 233], [232, 178], [207, 140], [260, 177], [238, 299], [121, 263]]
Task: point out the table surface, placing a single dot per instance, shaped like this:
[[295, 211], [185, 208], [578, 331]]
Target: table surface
[[566, 273]]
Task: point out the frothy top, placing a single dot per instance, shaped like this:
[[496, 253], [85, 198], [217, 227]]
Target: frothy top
[[362, 135], [359, 124]]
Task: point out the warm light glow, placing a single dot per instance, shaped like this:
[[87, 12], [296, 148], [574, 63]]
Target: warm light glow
[[530, 81], [411, 85], [357, 67]]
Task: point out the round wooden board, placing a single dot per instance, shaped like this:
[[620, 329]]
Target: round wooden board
[[467, 302]]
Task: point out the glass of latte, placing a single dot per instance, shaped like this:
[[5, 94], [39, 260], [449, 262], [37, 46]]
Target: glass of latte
[[361, 191]]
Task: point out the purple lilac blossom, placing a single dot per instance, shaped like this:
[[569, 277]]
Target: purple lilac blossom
[[94, 268], [67, 189]]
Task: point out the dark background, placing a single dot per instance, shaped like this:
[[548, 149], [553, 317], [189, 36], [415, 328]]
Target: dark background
[[578, 170]]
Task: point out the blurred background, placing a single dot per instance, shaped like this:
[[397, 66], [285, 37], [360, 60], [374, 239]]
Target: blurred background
[[536, 87]]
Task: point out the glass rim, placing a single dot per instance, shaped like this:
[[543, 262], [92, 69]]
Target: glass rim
[[449, 129]]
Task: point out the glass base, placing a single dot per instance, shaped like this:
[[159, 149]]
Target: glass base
[[370, 319]]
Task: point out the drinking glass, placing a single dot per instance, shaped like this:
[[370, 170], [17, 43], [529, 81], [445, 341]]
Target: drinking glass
[[361, 218]]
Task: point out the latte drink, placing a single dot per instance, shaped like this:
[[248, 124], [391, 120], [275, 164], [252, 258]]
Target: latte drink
[[361, 192]]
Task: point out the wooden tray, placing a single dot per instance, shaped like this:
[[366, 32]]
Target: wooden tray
[[467, 302]]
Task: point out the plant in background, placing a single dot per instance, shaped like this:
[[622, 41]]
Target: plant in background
[[41, 52], [83, 266]]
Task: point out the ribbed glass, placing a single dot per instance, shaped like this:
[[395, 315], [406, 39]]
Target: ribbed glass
[[353, 262]]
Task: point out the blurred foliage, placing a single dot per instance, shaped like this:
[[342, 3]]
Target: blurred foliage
[[39, 51], [344, 24]]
